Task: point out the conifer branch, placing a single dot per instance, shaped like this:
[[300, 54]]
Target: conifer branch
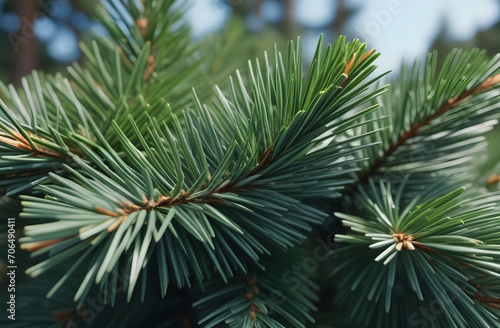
[[258, 299], [137, 181], [439, 245], [414, 129]]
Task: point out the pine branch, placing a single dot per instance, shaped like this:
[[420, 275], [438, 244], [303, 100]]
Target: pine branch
[[437, 249], [208, 195], [47, 110], [261, 299], [127, 172], [414, 130], [101, 309], [434, 121], [143, 64]]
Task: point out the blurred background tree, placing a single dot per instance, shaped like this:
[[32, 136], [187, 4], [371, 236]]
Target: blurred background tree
[[41, 34]]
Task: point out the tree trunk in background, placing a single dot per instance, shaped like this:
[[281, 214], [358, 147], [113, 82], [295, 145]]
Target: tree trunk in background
[[287, 26], [27, 55], [340, 17], [289, 22]]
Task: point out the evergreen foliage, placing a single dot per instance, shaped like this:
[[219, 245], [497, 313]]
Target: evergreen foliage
[[444, 249], [157, 190]]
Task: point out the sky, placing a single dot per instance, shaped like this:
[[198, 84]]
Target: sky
[[408, 32], [402, 30]]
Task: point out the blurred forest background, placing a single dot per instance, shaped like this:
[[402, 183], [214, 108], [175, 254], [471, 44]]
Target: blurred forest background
[[44, 34]]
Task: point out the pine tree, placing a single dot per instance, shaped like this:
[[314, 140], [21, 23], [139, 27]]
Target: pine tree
[[150, 196]]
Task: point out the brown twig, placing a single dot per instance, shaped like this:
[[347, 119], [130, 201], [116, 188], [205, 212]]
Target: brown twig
[[438, 253], [350, 65], [264, 161], [488, 301], [18, 141], [404, 241], [493, 179], [142, 24], [66, 316], [252, 282], [37, 245], [187, 312], [150, 68], [425, 248]]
